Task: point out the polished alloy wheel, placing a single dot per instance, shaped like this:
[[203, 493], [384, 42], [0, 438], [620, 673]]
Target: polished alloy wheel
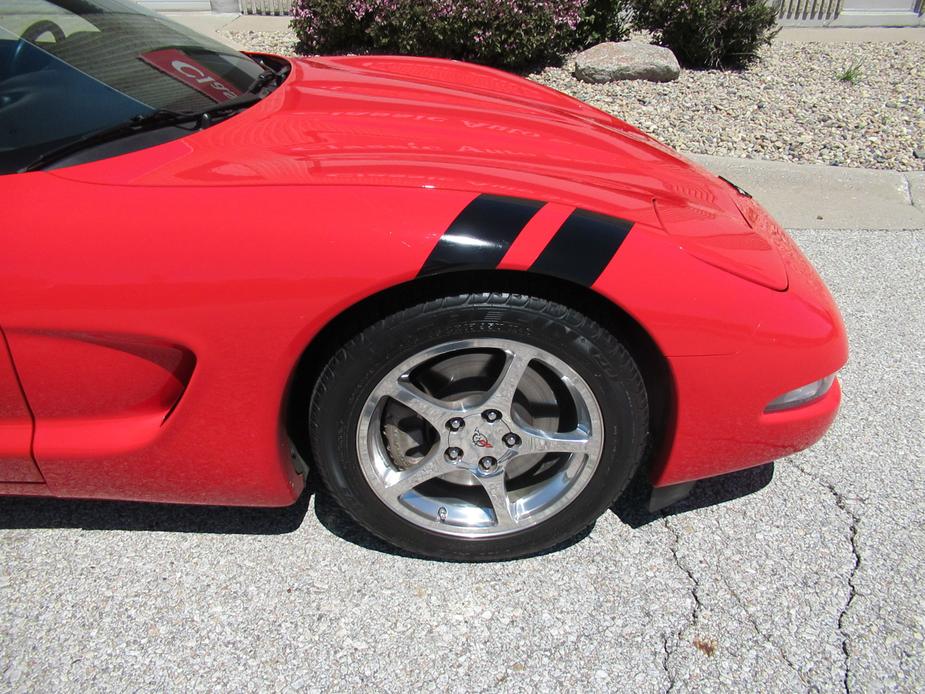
[[480, 437], [478, 426]]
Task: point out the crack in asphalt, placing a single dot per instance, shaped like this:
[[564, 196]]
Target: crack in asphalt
[[855, 520], [671, 643], [667, 651], [767, 637], [698, 606], [695, 611]]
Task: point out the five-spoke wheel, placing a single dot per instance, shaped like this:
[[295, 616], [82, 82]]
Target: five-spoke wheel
[[479, 437], [479, 427]]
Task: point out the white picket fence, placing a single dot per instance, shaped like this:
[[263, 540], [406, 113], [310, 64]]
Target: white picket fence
[[799, 11], [271, 7]]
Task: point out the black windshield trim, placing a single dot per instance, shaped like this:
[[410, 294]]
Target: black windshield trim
[[259, 89], [141, 123]]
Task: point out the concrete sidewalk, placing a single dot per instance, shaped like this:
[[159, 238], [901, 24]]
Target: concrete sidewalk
[[851, 34], [211, 24]]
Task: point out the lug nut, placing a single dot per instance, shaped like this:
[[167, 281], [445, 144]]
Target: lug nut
[[491, 415], [453, 453], [455, 424], [511, 439], [488, 463]]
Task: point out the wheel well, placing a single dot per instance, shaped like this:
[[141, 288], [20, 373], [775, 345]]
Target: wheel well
[[651, 362]]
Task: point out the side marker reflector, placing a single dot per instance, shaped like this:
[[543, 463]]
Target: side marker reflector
[[802, 395]]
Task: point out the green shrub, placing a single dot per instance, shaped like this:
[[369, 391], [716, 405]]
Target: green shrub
[[514, 34], [602, 20], [709, 33]]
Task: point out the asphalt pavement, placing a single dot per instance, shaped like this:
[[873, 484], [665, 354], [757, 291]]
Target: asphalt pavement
[[802, 577]]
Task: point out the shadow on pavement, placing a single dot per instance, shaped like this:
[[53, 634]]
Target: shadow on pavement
[[633, 506], [35, 512], [38, 512]]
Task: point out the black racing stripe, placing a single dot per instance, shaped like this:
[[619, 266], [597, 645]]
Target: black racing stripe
[[583, 247], [482, 233]]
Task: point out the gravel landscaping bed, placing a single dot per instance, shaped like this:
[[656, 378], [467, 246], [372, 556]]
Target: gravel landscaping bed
[[278, 42], [790, 106]]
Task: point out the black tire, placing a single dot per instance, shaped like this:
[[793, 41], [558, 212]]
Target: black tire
[[590, 350]]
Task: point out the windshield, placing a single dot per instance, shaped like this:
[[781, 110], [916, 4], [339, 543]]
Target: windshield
[[73, 67]]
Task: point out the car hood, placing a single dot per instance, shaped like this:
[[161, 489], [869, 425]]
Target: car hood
[[401, 121]]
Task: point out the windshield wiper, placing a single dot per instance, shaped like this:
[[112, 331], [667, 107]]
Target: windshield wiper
[[142, 123], [162, 118], [268, 75], [261, 81]]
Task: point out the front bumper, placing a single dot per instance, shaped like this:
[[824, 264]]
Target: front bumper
[[713, 439], [720, 423]]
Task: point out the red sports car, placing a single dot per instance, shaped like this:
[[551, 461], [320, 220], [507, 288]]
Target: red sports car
[[472, 305]]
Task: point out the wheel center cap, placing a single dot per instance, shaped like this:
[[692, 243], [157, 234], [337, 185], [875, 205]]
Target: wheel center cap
[[480, 440]]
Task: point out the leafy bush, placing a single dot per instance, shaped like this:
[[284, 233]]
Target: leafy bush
[[709, 33], [505, 33]]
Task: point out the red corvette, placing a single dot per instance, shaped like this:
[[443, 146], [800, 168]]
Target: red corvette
[[472, 305]]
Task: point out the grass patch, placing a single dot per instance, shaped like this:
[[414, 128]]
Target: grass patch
[[851, 74]]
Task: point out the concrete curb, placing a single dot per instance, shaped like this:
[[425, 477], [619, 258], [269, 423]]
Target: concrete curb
[[809, 196]]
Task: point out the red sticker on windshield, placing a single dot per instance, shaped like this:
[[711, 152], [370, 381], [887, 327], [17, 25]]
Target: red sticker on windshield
[[184, 69]]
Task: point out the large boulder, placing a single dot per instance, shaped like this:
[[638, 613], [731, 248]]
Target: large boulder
[[627, 60]]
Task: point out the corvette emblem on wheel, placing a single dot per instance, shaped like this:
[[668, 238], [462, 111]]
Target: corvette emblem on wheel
[[480, 440]]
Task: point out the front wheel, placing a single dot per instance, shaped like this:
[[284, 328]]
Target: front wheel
[[479, 426]]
